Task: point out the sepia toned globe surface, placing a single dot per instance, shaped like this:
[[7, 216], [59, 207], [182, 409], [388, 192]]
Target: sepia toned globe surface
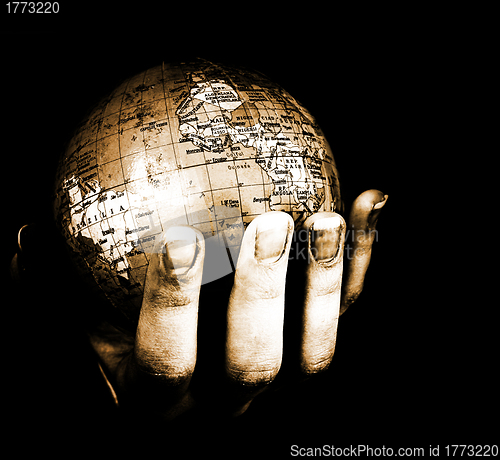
[[192, 143]]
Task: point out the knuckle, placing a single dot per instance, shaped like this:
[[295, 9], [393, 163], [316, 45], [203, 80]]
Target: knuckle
[[163, 363], [324, 281], [253, 376], [267, 292], [324, 291], [168, 296], [261, 285], [316, 366], [317, 357], [165, 372]]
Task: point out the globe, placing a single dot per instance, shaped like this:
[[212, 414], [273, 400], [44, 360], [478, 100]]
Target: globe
[[192, 143]]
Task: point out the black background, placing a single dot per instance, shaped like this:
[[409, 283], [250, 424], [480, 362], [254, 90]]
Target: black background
[[409, 369]]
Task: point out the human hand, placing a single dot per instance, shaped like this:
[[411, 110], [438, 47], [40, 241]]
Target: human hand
[[151, 371]]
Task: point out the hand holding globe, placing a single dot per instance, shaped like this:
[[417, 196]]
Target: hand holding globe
[[194, 173]]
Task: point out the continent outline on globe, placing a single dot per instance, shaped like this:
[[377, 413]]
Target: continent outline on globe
[[186, 144]]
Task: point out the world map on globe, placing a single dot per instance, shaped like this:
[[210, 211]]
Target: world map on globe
[[192, 143]]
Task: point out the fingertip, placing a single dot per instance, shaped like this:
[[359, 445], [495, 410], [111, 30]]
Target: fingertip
[[269, 221], [181, 251], [381, 203], [321, 216], [366, 208], [369, 198], [266, 239], [325, 234], [273, 232], [373, 195]]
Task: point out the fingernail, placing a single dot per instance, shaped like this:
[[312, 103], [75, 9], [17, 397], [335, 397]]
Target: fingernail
[[271, 238], [181, 247], [325, 239], [373, 217]]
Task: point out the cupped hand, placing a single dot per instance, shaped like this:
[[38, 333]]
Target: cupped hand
[[151, 372]]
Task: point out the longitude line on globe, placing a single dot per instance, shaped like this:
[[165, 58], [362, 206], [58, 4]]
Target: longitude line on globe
[[174, 149]]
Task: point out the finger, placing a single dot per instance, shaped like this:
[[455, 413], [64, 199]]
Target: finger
[[362, 223], [165, 343], [254, 340], [326, 233]]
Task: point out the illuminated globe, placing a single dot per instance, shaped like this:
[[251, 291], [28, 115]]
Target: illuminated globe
[[195, 144]]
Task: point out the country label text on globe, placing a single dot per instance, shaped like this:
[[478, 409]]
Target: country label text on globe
[[194, 143]]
